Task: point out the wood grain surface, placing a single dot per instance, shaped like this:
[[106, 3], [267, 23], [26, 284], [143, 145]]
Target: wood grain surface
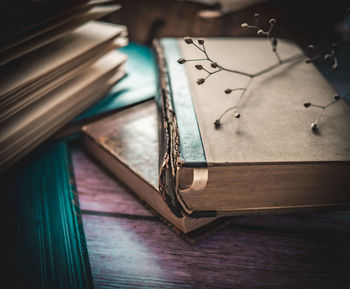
[[130, 248]]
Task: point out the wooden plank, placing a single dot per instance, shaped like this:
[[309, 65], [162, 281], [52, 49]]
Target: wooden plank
[[128, 248], [98, 191], [145, 254]]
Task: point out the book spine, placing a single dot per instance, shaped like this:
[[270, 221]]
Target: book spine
[[171, 160], [168, 136]]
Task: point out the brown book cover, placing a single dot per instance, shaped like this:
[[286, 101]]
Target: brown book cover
[[236, 137], [126, 144]]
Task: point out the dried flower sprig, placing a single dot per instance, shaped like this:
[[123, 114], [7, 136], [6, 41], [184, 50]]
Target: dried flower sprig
[[262, 32], [315, 124], [327, 56], [218, 67]]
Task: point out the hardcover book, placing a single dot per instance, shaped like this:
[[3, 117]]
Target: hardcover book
[[126, 144], [241, 143]]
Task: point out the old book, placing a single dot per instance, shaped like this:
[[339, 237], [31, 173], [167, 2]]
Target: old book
[[30, 77], [31, 126], [55, 33], [45, 25], [269, 159], [126, 144], [44, 244]]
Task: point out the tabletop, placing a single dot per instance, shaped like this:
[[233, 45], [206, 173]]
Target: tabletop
[[129, 247]]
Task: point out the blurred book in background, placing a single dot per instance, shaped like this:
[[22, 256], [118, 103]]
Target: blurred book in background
[[52, 69]]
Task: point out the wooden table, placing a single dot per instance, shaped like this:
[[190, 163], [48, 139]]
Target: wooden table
[[130, 248]]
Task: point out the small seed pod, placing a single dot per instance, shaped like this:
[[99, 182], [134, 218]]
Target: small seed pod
[[228, 90], [311, 47], [198, 66], [217, 124], [200, 81], [261, 32], [214, 65], [244, 25], [201, 41], [307, 104], [272, 21], [337, 97], [181, 61], [237, 115], [256, 15], [188, 40], [327, 56], [314, 126]]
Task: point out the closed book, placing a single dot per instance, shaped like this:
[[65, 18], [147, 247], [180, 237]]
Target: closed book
[[238, 140], [126, 144]]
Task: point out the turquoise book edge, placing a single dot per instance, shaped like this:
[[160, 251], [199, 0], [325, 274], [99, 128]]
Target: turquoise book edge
[[191, 146], [46, 246]]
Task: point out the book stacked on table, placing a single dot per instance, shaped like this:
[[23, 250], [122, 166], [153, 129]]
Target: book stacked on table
[[55, 63], [267, 161]]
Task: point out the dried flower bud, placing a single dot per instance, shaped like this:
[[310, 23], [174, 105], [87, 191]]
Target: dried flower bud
[[272, 21], [214, 65], [314, 126], [309, 60], [217, 124], [307, 104], [188, 40], [201, 41], [327, 56], [261, 32], [237, 115], [198, 66], [337, 97], [334, 46], [311, 47], [256, 15], [244, 25], [228, 90], [200, 81], [181, 61]]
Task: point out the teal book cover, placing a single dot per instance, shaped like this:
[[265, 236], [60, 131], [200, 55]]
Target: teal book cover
[[45, 245], [138, 85]]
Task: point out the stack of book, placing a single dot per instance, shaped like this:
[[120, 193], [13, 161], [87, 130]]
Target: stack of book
[[55, 63], [192, 166]]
